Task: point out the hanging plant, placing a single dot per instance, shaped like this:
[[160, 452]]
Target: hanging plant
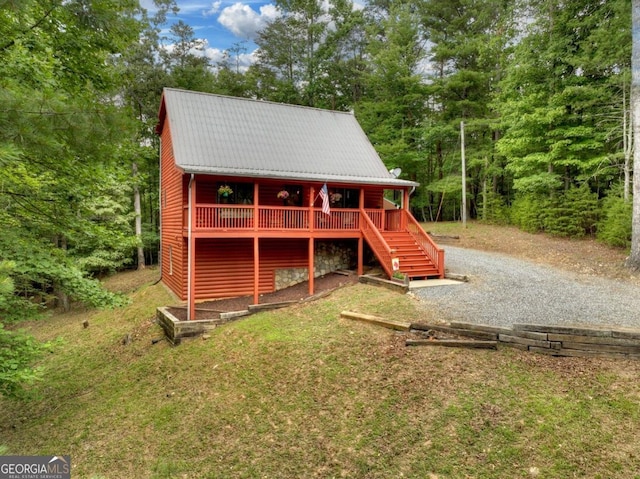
[[225, 190], [283, 194]]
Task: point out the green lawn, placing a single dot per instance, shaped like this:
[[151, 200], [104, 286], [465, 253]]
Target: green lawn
[[301, 393]]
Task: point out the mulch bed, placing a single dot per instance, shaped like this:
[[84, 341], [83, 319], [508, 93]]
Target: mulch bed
[[298, 292]]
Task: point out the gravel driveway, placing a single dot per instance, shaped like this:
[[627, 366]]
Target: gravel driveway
[[503, 291]]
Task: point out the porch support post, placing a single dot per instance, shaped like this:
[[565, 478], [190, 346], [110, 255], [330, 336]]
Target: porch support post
[[311, 266], [312, 219], [405, 206], [256, 210], [361, 238], [191, 274], [360, 256], [256, 270]]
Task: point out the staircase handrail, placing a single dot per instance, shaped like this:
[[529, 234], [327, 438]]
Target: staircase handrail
[[431, 249], [377, 242]]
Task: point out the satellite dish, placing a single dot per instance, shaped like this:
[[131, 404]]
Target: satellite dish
[[395, 172]]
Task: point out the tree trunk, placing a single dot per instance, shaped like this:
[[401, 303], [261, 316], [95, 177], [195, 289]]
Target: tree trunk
[[62, 298], [627, 142], [633, 261], [138, 212]]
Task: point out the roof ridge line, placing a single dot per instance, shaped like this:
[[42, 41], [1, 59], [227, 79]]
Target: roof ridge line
[[255, 100]]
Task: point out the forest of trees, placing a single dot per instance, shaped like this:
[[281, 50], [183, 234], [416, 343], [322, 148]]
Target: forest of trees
[[542, 86]]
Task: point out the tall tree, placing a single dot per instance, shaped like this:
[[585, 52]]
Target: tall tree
[[59, 133], [143, 77], [184, 60], [312, 54], [60, 130], [392, 107], [552, 98], [469, 45], [634, 258]]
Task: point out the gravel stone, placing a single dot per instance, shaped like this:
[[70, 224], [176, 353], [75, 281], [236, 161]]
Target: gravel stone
[[503, 291]]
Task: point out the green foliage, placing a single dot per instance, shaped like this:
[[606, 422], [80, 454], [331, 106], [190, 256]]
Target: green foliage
[[494, 210], [555, 102], [614, 227], [18, 351], [572, 214], [12, 306], [38, 270], [59, 138], [392, 109], [528, 212]]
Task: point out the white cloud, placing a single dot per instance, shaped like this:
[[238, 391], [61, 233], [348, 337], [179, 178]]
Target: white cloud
[[215, 8], [244, 22], [215, 55], [188, 7]]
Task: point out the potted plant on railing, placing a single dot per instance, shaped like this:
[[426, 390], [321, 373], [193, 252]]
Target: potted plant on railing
[[284, 196], [225, 191]]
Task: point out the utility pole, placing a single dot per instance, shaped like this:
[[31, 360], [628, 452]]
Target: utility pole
[[464, 177]]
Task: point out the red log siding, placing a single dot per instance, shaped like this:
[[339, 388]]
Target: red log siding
[[224, 267], [174, 247], [373, 199], [206, 190], [278, 253]]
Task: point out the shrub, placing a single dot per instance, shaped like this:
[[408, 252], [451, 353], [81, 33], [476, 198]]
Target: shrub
[[573, 214], [528, 212], [614, 228], [494, 209]]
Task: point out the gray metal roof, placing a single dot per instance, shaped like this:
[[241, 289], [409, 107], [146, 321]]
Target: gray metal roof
[[213, 134]]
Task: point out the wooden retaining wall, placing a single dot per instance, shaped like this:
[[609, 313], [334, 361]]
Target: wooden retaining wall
[[580, 341], [176, 330]]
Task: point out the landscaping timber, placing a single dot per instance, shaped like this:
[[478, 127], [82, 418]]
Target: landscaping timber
[[267, 306], [386, 323], [552, 340], [453, 343], [385, 283], [576, 330], [470, 333]]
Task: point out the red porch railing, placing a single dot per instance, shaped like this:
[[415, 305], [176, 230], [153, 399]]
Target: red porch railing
[[372, 234], [223, 217], [426, 243], [241, 217]]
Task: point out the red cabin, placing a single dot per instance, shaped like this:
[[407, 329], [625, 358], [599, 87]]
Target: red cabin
[[243, 210]]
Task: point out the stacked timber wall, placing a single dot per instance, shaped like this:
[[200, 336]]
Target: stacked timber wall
[[581, 341]]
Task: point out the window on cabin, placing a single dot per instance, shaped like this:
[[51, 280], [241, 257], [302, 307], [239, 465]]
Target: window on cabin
[[234, 193], [295, 195], [344, 197]]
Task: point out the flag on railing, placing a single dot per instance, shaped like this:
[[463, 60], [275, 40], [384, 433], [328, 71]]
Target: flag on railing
[[324, 194]]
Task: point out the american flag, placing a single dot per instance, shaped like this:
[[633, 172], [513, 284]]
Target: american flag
[[324, 194]]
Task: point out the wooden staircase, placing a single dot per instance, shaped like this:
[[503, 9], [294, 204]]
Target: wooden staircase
[[401, 237], [414, 262]]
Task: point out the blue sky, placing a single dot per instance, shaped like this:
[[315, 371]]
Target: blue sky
[[222, 23]]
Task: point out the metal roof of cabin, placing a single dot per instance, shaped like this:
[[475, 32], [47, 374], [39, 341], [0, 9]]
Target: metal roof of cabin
[[229, 136]]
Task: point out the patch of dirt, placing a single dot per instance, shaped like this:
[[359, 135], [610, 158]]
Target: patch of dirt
[[131, 280], [298, 292], [583, 256]]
